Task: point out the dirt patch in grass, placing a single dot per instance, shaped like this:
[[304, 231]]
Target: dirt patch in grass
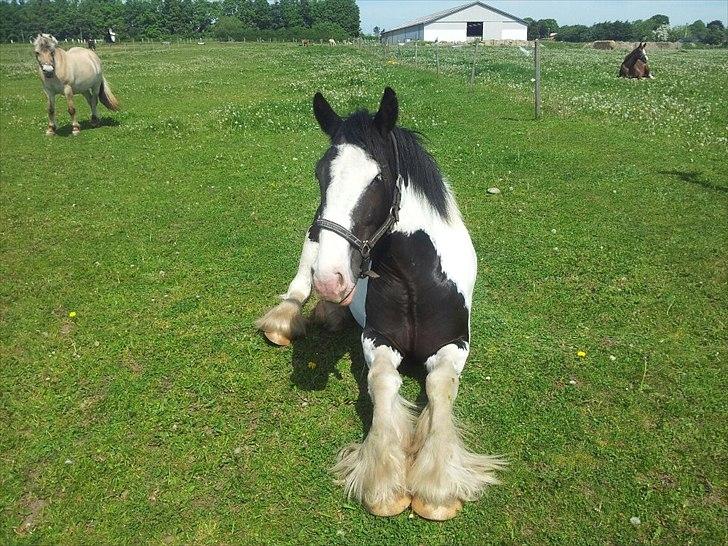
[[33, 506]]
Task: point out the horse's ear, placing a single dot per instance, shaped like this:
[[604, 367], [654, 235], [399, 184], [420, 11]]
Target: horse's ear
[[386, 117], [328, 120]]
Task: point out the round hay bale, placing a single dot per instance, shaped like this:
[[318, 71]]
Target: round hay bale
[[604, 44]]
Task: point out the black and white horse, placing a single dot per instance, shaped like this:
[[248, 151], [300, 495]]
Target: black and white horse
[[388, 242]]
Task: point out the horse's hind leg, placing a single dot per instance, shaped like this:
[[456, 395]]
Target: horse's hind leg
[[93, 101], [375, 471], [68, 93], [51, 130], [285, 321], [445, 473]]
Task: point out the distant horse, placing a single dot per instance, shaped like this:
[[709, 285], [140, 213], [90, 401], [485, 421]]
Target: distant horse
[[389, 242], [305, 42], [635, 64], [77, 70], [332, 42], [91, 43]]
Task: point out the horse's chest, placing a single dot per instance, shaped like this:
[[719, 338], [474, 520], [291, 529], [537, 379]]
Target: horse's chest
[[413, 304]]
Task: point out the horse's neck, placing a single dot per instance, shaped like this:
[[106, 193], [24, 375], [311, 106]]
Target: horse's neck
[[631, 59], [417, 213], [61, 65]]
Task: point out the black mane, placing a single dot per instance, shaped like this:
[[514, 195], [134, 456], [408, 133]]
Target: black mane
[[417, 166]]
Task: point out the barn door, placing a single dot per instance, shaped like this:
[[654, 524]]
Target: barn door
[[474, 31]]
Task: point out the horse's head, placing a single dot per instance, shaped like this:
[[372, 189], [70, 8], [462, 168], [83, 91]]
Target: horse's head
[[45, 53], [358, 180], [639, 52]]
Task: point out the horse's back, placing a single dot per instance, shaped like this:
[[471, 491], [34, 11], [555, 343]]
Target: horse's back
[[85, 67]]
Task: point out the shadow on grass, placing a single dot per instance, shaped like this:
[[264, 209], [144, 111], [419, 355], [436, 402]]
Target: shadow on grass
[[315, 357], [696, 177], [66, 130]]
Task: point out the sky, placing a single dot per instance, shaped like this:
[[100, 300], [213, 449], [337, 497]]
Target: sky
[[392, 13]]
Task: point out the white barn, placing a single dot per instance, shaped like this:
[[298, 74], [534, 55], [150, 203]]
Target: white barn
[[472, 21]]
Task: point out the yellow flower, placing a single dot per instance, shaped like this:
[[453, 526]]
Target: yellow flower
[[72, 314], [581, 354], [311, 365]]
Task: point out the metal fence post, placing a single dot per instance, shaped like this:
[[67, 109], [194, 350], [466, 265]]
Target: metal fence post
[[472, 70], [537, 69]]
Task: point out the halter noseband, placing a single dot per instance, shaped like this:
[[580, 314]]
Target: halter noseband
[[365, 247]]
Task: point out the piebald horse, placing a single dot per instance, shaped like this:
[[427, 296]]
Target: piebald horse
[[77, 70], [388, 241], [635, 64]]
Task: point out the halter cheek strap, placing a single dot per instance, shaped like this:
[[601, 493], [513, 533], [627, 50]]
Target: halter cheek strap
[[365, 247]]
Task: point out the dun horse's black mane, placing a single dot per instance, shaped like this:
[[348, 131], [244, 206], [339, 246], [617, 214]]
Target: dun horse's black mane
[[416, 165]]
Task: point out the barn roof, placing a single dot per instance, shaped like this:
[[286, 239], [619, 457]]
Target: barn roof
[[440, 14]]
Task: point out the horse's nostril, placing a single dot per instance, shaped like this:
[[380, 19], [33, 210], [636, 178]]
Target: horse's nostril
[[339, 279]]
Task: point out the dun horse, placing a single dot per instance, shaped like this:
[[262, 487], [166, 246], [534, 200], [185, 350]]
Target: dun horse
[[77, 70], [388, 241], [635, 64]]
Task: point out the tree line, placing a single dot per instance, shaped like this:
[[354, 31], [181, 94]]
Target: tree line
[[657, 28], [21, 20]]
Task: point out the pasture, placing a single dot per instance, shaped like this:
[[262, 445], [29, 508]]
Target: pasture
[[139, 405]]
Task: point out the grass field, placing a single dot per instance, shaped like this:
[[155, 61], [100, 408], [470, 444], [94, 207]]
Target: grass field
[[138, 404]]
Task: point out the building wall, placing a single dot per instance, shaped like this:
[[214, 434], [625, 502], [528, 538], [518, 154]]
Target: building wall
[[453, 28], [415, 33], [445, 32]]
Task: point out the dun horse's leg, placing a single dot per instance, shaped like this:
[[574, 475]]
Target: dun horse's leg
[[445, 473], [285, 322], [375, 471], [93, 101], [51, 130], [68, 92]]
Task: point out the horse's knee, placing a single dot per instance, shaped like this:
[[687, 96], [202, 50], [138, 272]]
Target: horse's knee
[[383, 380], [442, 384], [71, 110]]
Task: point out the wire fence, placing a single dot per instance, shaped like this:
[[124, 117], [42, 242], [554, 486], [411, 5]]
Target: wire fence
[[515, 66]]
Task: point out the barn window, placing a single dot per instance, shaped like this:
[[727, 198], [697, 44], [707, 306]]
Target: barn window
[[475, 30]]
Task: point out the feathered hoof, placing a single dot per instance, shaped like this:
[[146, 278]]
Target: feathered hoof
[[389, 509], [95, 122], [76, 131], [50, 131], [282, 323], [436, 512]]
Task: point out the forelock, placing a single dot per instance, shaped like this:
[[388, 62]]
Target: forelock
[[45, 42]]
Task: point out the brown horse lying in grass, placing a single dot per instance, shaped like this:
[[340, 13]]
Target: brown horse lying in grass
[[635, 64], [77, 70]]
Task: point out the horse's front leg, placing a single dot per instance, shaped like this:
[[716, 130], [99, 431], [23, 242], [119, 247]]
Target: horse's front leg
[[285, 321], [68, 93], [51, 130], [375, 471], [445, 473]]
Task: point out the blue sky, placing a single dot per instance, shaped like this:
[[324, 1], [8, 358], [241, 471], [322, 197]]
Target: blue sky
[[392, 13]]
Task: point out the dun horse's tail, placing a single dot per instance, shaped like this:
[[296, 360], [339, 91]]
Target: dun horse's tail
[[106, 97]]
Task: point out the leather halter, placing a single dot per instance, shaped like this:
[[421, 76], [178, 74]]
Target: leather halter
[[365, 247]]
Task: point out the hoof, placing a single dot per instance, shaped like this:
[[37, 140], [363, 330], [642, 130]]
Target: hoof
[[390, 508], [95, 122], [436, 512], [277, 339], [50, 132], [76, 131]]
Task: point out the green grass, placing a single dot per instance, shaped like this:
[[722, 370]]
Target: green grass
[[157, 414]]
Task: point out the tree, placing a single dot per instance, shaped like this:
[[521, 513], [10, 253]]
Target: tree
[[376, 31], [291, 13], [715, 24], [262, 17]]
